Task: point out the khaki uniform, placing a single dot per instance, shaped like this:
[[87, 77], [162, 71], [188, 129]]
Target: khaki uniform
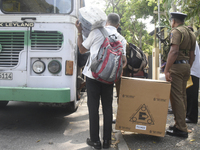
[[180, 73]]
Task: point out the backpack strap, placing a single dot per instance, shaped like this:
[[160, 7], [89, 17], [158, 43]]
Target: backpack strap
[[104, 32], [142, 64]]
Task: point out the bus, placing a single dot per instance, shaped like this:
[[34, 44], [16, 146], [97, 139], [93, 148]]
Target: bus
[[38, 51]]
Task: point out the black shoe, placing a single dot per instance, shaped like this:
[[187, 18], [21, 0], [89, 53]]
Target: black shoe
[[114, 121], [172, 127], [189, 121], [106, 144], [177, 132], [96, 145]]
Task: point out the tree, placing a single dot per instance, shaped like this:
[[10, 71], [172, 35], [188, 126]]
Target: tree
[[191, 8], [131, 13]]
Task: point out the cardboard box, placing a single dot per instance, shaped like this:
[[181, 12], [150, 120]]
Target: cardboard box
[[143, 106], [91, 18]]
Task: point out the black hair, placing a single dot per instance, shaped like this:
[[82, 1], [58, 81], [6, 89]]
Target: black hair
[[113, 19], [178, 20]]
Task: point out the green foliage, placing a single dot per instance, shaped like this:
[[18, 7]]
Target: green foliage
[[132, 11], [189, 7]]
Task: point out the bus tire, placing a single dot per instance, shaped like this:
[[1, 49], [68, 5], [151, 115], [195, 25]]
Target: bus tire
[[71, 107], [3, 103]]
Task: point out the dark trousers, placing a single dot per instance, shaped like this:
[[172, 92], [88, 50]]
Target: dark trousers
[[96, 91], [192, 100]]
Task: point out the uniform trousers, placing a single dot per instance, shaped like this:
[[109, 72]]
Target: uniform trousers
[[97, 91], [180, 73], [192, 100]]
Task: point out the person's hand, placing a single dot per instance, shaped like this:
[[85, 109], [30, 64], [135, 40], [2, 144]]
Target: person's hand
[[168, 77], [78, 26], [121, 74]]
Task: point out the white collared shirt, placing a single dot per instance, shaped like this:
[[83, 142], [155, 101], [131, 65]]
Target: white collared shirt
[[195, 69]]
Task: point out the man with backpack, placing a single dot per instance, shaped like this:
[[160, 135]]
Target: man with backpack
[[95, 88]]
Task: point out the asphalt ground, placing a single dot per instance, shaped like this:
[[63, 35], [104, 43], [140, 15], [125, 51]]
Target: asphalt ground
[[27, 126], [32, 126]]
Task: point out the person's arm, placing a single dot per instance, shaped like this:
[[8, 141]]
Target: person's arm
[[162, 66], [82, 49], [172, 55]]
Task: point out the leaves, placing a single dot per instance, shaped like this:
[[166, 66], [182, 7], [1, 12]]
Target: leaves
[[133, 12], [38, 141]]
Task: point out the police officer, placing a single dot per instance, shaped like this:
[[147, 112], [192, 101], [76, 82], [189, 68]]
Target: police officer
[[177, 71]]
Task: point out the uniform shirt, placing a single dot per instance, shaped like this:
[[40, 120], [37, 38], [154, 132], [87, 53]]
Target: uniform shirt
[[188, 42], [195, 69], [93, 43]]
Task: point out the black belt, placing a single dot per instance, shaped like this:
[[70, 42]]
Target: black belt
[[181, 62]]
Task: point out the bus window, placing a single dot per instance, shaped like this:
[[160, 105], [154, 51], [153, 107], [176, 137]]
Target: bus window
[[64, 6], [37, 6]]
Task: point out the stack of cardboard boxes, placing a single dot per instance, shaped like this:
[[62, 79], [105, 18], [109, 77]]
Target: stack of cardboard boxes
[[91, 18]]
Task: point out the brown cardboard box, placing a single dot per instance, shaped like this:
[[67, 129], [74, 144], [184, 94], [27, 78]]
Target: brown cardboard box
[[143, 106]]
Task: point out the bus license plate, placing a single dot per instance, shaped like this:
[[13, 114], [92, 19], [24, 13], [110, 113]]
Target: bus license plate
[[6, 76]]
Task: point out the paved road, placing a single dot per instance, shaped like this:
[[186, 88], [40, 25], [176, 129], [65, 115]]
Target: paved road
[[28, 126]]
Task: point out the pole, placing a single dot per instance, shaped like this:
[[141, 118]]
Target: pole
[[159, 22]]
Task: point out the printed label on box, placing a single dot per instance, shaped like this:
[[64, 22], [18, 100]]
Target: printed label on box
[[142, 116], [140, 127]]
